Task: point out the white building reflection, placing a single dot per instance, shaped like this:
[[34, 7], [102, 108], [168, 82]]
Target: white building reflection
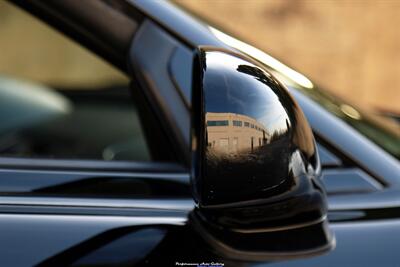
[[230, 132]]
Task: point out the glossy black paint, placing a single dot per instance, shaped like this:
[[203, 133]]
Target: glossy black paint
[[112, 248], [256, 166], [83, 240], [274, 142], [150, 55], [74, 240], [50, 239]]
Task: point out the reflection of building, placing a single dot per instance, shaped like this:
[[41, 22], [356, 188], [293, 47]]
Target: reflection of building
[[230, 132]]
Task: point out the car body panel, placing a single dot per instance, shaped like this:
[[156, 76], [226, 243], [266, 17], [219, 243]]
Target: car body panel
[[40, 237], [49, 237]]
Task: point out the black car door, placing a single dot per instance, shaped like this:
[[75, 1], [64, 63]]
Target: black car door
[[85, 162]]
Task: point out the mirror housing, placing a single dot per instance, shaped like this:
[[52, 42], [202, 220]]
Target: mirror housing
[[255, 164]]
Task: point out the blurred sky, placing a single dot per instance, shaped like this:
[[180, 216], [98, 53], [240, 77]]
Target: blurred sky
[[351, 48]]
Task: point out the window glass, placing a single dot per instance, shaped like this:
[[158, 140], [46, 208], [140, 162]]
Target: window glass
[[237, 123], [58, 100], [218, 123]]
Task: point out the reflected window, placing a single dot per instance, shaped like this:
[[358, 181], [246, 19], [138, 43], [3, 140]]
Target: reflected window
[[218, 123], [253, 135], [237, 123]]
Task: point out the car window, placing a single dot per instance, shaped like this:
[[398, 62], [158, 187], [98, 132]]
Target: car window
[[60, 101]]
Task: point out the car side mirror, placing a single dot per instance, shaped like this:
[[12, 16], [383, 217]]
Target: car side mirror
[[255, 165]]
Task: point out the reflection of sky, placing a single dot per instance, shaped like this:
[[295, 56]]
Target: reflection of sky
[[241, 93]]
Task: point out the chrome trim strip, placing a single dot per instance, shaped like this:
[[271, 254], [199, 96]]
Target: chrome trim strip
[[280, 228], [147, 220], [153, 204], [377, 200], [172, 176], [95, 165]]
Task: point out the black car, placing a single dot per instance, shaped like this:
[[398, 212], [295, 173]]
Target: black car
[[204, 151]]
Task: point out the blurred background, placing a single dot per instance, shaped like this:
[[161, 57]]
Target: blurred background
[[31, 50], [351, 48]]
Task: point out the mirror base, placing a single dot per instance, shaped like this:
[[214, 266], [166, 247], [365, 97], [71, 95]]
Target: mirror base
[[304, 241]]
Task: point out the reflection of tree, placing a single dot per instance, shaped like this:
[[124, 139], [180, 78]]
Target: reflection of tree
[[203, 60], [278, 134]]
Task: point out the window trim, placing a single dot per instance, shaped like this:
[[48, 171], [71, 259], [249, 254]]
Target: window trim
[[218, 123], [183, 204], [53, 170], [89, 165]]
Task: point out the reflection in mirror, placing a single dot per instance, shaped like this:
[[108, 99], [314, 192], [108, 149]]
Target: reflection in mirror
[[232, 133], [256, 136], [257, 173]]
